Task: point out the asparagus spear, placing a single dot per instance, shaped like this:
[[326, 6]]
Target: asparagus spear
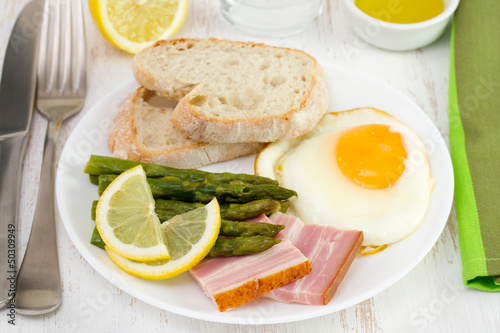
[[171, 187], [93, 209], [96, 239], [206, 191], [245, 211], [223, 246], [248, 229], [98, 165], [94, 179], [165, 215], [166, 209], [233, 228], [284, 204], [228, 228], [238, 246], [234, 211], [104, 181], [176, 205]]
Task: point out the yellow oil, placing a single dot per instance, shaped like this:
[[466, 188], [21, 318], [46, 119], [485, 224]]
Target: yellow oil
[[401, 11]]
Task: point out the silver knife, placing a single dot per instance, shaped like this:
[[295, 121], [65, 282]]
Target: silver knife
[[17, 96]]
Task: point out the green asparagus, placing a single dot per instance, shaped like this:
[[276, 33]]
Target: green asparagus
[[284, 204], [166, 209], [104, 181], [177, 191], [238, 246], [238, 192], [233, 211], [94, 179], [96, 239], [93, 209], [176, 205], [247, 229], [223, 246], [245, 211], [165, 215], [228, 228], [99, 165]]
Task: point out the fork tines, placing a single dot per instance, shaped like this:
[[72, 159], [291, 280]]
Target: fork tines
[[62, 49]]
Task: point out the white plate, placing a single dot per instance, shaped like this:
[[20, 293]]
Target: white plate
[[367, 276]]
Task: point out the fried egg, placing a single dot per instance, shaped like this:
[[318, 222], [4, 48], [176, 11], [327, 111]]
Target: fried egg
[[360, 169]]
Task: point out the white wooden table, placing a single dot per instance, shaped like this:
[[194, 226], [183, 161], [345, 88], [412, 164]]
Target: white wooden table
[[431, 298]]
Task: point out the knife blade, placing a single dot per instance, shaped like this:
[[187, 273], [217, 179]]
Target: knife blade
[[17, 96]]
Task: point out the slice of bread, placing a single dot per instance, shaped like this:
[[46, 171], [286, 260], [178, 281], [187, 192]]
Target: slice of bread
[[231, 91], [143, 132]]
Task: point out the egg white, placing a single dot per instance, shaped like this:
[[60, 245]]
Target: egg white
[[327, 197]]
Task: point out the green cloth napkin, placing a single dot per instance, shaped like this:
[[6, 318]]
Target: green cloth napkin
[[474, 114]]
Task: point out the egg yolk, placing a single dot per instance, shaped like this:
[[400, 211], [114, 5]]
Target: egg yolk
[[371, 156]]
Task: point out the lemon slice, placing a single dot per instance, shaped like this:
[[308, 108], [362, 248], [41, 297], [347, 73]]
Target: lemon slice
[[190, 237], [126, 218], [132, 25]]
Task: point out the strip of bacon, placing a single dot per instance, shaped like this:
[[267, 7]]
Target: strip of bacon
[[233, 281], [330, 251]]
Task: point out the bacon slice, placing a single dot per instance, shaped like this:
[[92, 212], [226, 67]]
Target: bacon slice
[[330, 251], [234, 281]]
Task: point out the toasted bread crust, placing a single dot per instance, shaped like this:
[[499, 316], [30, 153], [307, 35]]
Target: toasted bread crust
[[162, 86], [255, 288], [263, 129], [123, 143], [203, 127]]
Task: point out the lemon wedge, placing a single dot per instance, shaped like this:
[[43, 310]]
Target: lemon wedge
[[190, 237], [132, 25], [126, 218]]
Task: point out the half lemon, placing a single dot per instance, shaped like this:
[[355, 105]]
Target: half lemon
[[132, 25], [126, 218], [190, 237]]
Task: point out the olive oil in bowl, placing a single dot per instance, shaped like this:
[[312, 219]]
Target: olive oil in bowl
[[401, 11]]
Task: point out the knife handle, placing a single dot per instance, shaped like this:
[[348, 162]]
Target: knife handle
[[11, 155]]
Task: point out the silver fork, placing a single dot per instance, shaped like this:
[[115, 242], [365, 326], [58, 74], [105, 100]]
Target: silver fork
[[61, 90]]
